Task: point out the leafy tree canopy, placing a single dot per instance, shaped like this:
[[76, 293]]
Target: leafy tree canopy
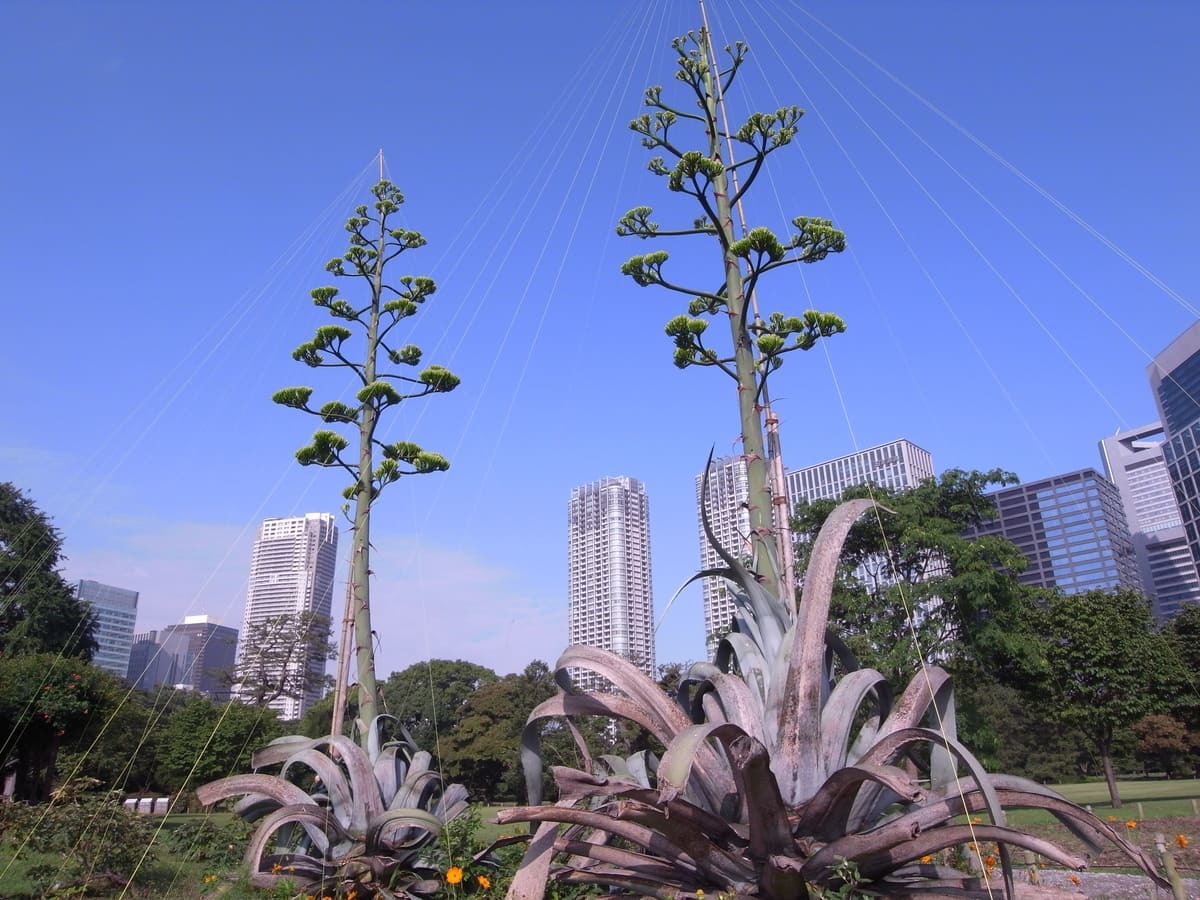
[[1184, 633], [39, 612], [909, 573], [204, 741], [46, 700], [484, 747], [428, 697], [1106, 667]]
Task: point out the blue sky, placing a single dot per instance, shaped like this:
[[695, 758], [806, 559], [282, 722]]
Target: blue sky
[[176, 175]]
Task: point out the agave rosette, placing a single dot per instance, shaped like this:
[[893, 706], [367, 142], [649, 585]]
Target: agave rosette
[[338, 817], [785, 766]]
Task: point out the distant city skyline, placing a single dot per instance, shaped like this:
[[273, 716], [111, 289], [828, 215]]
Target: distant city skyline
[[1000, 309]]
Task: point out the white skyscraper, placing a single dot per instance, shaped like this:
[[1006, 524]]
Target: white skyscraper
[[608, 579], [291, 572], [1134, 462], [898, 465], [725, 505]]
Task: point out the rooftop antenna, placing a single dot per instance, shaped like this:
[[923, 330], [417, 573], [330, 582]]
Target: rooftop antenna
[[781, 514]]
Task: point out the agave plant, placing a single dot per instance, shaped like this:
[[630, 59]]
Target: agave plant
[[786, 767], [341, 818]]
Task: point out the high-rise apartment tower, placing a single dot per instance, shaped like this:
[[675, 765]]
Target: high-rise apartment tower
[[291, 572], [725, 505], [608, 578]]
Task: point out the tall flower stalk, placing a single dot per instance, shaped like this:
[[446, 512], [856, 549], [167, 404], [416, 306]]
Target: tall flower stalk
[[757, 345], [374, 244]]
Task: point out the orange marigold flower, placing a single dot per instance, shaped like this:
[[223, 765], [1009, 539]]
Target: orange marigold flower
[[454, 875], [1112, 818], [989, 861], [926, 858], [1074, 879], [484, 881], [1182, 841], [1132, 823], [277, 868]]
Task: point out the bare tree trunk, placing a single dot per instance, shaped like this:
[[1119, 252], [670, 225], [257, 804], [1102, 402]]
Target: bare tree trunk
[[1110, 777]]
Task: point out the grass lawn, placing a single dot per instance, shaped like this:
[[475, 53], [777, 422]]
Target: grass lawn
[[1139, 800], [489, 831], [1161, 798]]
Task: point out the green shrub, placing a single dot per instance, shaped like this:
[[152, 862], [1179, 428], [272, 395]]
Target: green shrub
[[97, 843], [208, 840]]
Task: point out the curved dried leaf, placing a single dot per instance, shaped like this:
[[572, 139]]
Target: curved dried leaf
[[756, 669], [675, 767], [715, 861], [797, 762], [680, 813], [529, 882], [336, 786], [417, 791], [276, 789], [253, 807], [664, 715], [888, 749], [826, 815], [401, 829], [319, 825], [839, 716], [645, 705], [892, 845], [737, 702]]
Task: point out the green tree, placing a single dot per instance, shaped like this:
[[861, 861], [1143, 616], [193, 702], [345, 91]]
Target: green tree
[[39, 612], [1106, 667], [716, 185], [483, 748], [911, 581], [1162, 743], [46, 701], [288, 658], [118, 746], [203, 741], [428, 698], [374, 243], [1183, 631], [1009, 730]]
